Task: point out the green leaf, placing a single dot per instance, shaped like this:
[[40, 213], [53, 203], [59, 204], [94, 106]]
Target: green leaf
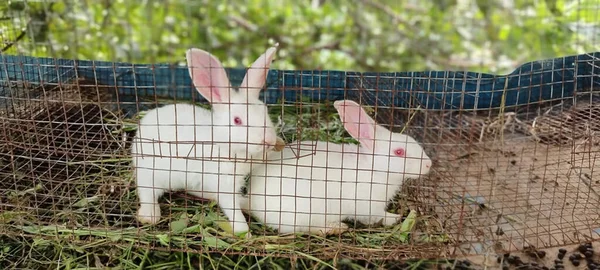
[[86, 201], [163, 239], [212, 241], [408, 225], [179, 225]]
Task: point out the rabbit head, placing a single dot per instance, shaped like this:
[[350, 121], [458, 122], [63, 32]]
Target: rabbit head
[[386, 151], [240, 119]]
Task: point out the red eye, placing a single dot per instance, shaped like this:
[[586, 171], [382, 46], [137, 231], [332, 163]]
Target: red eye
[[399, 152], [237, 121]]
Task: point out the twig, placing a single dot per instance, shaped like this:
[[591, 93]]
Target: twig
[[22, 34], [19, 37], [387, 10], [107, 7], [243, 23], [328, 46]]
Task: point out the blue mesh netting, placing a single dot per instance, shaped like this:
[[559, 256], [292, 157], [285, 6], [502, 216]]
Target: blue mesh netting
[[532, 82]]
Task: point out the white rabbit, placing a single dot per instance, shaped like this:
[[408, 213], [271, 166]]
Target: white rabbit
[[316, 192], [204, 152]]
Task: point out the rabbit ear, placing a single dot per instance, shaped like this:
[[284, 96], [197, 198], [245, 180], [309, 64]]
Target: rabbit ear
[[257, 73], [208, 75], [357, 122]]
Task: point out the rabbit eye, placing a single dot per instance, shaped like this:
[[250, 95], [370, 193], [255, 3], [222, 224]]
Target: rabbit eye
[[237, 121], [399, 152]]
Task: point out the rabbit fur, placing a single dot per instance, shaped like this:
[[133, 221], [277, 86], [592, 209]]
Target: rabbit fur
[[204, 152], [331, 182]]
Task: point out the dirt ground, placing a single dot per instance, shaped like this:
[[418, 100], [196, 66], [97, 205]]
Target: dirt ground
[[489, 261], [497, 197]]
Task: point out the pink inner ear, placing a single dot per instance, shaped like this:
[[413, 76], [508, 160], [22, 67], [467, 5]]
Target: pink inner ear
[[357, 122], [365, 131], [202, 78], [208, 75]]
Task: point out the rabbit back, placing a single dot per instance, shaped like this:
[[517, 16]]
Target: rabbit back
[[308, 193], [173, 150]]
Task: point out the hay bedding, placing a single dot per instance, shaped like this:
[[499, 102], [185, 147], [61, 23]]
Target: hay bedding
[[65, 160], [65, 164], [61, 145]]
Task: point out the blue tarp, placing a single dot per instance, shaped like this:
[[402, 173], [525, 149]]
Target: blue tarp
[[532, 82]]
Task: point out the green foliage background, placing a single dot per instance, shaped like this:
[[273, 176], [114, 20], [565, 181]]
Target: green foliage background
[[359, 35]]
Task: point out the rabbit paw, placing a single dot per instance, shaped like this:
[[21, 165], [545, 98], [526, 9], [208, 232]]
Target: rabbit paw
[[336, 227], [149, 214]]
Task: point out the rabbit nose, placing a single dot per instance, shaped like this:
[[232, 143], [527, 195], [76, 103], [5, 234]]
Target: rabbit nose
[[428, 164]]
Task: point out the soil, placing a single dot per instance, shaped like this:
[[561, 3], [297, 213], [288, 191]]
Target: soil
[[498, 197]]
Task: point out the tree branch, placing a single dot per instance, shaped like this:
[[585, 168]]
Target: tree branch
[[243, 23], [19, 37], [387, 10]]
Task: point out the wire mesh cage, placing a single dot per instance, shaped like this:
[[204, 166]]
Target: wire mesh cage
[[305, 164]]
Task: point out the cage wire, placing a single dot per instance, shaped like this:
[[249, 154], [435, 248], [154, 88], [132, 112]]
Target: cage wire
[[514, 156]]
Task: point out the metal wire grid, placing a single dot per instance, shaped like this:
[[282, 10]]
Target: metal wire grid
[[64, 163]]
